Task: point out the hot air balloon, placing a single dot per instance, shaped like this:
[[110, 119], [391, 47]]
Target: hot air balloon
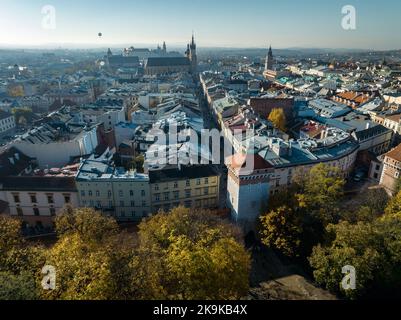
[[100, 34]]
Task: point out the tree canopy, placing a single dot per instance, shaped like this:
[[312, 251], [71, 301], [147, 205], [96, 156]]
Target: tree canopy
[[277, 117]]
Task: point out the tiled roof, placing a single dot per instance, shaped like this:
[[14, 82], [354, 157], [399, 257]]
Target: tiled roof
[[395, 153]]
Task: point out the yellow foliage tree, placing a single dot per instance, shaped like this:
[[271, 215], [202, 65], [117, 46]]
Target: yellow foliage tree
[[197, 255], [277, 117]]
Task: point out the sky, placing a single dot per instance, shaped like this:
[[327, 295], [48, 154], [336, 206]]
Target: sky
[[216, 23]]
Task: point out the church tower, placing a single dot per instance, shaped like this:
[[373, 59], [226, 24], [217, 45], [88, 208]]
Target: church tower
[[109, 53], [192, 55], [269, 60], [164, 47]]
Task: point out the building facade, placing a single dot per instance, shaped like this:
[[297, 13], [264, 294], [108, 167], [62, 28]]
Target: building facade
[[189, 186], [37, 200]]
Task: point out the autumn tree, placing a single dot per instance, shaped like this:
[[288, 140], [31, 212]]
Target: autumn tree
[[191, 254], [277, 117], [307, 207], [18, 262], [16, 91], [91, 257], [282, 230], [321, 189], [372, 248]]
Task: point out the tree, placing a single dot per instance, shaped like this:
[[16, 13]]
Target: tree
[[17, 287], [307, 206], [89, 224], [191, 254], [277, 117], [22, 115], [16, 91], [373, 248], [138, 162], [394, 205], [320, 191], [282, 230], [92, 259], [20, 264]]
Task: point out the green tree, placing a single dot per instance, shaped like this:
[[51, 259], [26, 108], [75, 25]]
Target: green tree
[[373, 248], [277, 117], [307, 206], [282, 229], [191, 254], [17, 287]]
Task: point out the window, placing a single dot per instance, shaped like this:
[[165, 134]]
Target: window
[[188, 183], [198, 182], [67, 198], [109, 193], [36, 212], [50, 198], [131, 193], [188, 203], [166, 196], [157, 197], [110, 204], [187, 193], [143, 203], [156, 187], [206, 191], [33, 198], [206, 180], [52, 212], [99, 204], [16, 198], [19, 211], [176, 195], [97, 193], [132, 203], [121, 193], [90, 193], [121, 203], [143, 193], [175, 185], [82, 193], [91, 203]]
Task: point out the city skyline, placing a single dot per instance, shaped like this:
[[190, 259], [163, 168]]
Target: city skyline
[[222, 24]]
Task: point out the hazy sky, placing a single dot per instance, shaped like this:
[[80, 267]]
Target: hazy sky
[[236, 23]]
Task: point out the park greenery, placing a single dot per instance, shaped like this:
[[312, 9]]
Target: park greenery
[[307, 223], [182, 254]]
